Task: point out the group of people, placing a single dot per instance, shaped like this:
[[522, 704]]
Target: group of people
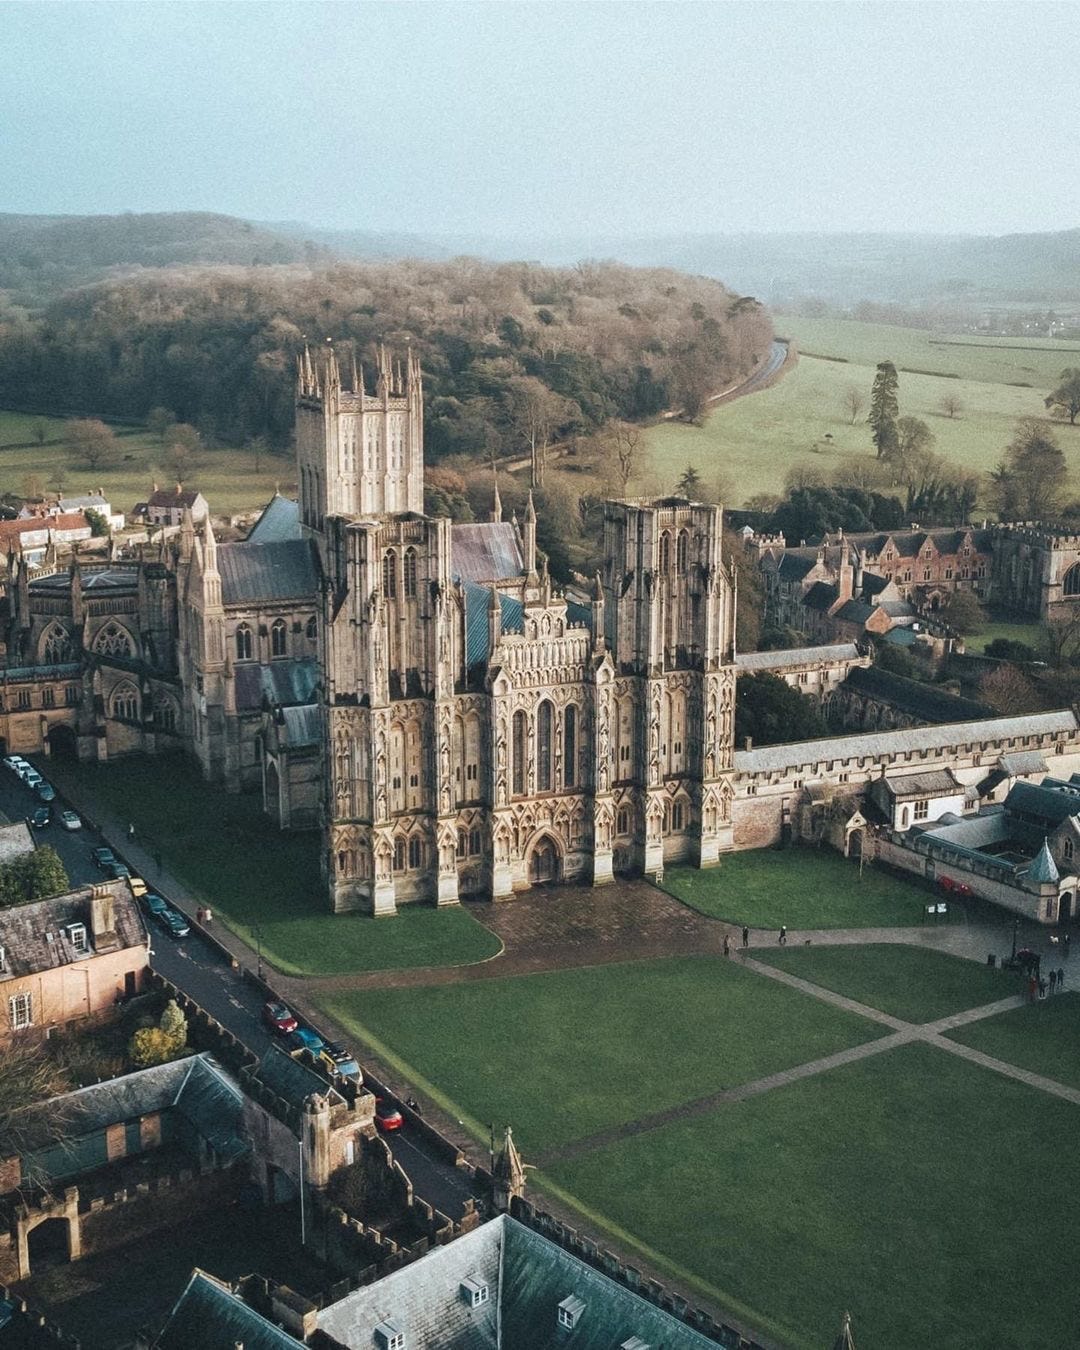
[[745, 939], [1037, 986]]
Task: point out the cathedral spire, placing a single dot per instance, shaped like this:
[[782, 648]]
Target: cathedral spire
[[496, 506], [530, 538], [598, 613], [508, 1173]]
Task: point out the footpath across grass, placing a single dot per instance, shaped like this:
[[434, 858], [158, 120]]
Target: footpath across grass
[[1042, 1037], [915, 983], [799, 887], [262, 882], [562, 1054], [912, 1188]]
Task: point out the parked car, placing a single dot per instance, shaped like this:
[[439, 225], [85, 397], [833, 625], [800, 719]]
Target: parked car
[[155, 903], [41, 817], [278, 1018], [138, 886], [117, 871], [387, 1117], [46, 791], [70, 820], [174, 924], [14, 763], [337, 1059], [103, 857], [303, 1038], [33, 779]]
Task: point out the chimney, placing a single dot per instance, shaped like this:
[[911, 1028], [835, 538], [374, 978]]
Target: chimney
[[748, 743], [846, 579], [103, 918]]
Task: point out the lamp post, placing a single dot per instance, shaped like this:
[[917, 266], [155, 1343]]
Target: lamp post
[[258, 950], [1016, 929]]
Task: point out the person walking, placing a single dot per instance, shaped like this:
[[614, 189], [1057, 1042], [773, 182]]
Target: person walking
[[1033, 989], [1053, 980], [745, 936], [1061, 978], [727, 945], [782, 939], [131, 830]]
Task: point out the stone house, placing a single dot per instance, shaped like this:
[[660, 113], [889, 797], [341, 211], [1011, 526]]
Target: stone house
[[69, 959]]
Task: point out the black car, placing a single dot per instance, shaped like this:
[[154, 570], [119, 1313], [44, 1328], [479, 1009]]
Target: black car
[[103, 857], [174, 924], [41, 817], [115, 870]]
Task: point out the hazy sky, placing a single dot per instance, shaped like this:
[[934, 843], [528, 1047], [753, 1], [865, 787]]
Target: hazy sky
[[547, 118]]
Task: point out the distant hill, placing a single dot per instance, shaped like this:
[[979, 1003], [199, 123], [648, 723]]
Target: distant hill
[[42, 256]]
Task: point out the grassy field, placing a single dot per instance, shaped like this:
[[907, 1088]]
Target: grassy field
[[262, 881], [915, 983], [802, 888], [756, 440], [1042, 1037], [912, 1188], [561, 1055], [1029, 633], [227, 478]]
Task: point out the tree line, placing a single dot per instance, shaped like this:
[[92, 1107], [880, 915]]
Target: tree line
[[513, 354]]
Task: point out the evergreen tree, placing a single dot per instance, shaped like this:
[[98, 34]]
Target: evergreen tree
[[884, 409]]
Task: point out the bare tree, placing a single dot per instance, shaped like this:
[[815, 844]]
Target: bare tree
[[952, 405], [854, 401], [1009, 691], [91, 441], [33, 487], [628, 442]]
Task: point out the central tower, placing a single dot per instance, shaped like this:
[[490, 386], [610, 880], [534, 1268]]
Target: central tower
[[359, 454]]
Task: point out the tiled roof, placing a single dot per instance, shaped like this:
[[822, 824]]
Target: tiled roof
[[488, 551], [281, 683], [12, 529], [1047, 803], [279, 521], [822, 595], [167, 497], [210, 1316], [855, 611], [879, 745], [932, 783], [258, 573], [290, 1080], [90, 579], [25, 930], [1043, 869], [793, 567], [797, 656], [914, 697]]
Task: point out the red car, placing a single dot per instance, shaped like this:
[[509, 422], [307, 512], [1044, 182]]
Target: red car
[[387, 1117], [278, 1018]]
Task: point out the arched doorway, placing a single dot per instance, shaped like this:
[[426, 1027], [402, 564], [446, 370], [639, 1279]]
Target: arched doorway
[[544, 861], [48, 1245], [1065, 908], [62, 743]]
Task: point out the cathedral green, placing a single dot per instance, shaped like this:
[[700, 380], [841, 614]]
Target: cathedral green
[[562, 1054]]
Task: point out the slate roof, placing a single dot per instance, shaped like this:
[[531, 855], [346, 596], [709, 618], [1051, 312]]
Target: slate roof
[[197, 1087], [1043, 869], [301, 726], [822, 595], [486, 551], [881, 744], [257, 573], [280, 521], [90, 579], [528, 1276], [1019, 762], [1045, 804], [281, 682], [290, 1080], [797, 656], [932, 783], [210, 1316], [912, 696], [24, 930], [477, 627], [174, 497], [793, 567], [855, 611]]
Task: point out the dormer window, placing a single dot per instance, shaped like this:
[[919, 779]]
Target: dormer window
[[474, 1291], [78, 939], [569, 1312], [635, 1343], [389, 1336]]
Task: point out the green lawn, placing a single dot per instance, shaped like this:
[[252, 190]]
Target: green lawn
[[1043, 1037], [228, 478], [926, 1195], [915, 983], [802, 888], [755, 440], [261, 881], [1031, 633], [560, 1055]]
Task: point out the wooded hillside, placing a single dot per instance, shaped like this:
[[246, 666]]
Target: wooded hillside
[[500, 345]]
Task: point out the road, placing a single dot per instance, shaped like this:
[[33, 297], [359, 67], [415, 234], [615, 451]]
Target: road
[[204, 974], [778, 354]]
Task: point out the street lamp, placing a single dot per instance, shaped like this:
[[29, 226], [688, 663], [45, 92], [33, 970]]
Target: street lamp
[[258, 950], [1016, 929]]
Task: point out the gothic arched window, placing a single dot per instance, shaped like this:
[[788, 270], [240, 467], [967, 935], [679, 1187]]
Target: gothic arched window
[[545, 745], [389, 574], [520, 751], [114, 640], [665, 553], [243, 643], [1071, 584], [125, 703], [416, 853], [57, 647], [410, 573], [279, 638], [312, 629], [681, 545], [165, 715], [570, 747], [399, 855]]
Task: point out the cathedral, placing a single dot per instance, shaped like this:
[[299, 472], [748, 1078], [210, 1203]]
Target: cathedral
[[418, 689]]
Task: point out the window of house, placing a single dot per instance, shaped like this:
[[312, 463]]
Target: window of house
[[279, 639], [114, 640], [79, 941], [474, 842], [926, 574], [312, 629], [462, 843], [24, 699], [165, 716], [922, 810], [676, 816], [569, 1312], [472, 772], [844, 777], [680, 552], [416, 853], [125, 704], [243, 643], [1067, 849], [410, 573], [665, 553], [71, 695], [751, 789], [21, 1011], [474, 1291], [48, 698], [1050, 907], [622, 821], [948, 574], [399, 855], [58, 647], [389, 574]]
